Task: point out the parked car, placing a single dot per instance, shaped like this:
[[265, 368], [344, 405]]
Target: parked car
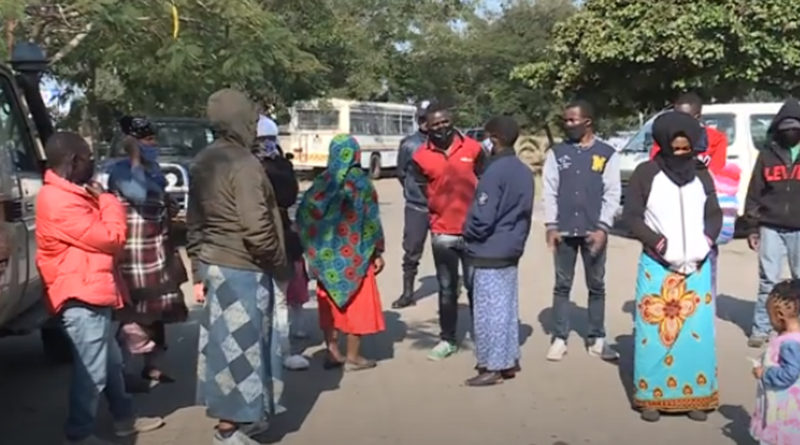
[[745, 125], [24, 127], [179, 139]]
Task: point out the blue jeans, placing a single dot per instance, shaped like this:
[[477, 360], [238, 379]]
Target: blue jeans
[[97, 368], [776, 246], [448, 252]]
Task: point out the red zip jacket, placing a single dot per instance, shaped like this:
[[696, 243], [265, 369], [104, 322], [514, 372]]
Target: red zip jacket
[[715, 155], [78, 237], [448, 179]]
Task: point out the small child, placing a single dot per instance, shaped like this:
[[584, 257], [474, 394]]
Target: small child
[[776, 420]]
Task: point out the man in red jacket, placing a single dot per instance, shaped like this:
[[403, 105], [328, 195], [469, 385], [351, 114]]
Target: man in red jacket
[[446, 169], [80, 230], [715, 151]]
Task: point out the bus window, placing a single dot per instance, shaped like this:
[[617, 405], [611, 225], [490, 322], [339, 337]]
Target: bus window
[[317, 119]]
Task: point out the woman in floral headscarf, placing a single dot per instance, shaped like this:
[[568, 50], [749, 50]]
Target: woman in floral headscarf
[[341, 232]]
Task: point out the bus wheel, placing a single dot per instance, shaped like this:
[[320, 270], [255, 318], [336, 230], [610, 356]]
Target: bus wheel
[[375, 170]]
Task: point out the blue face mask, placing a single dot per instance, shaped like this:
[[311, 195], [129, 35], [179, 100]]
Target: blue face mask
[[149, 153]]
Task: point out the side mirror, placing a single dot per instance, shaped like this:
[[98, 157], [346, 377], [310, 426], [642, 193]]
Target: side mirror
[[289, 156]]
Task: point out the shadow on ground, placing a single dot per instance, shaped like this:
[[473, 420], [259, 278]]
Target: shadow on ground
[[738, 427], [736, 311], [303, 389]]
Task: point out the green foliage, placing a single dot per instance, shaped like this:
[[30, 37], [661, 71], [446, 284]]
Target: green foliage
[[122, 54], [637, 54]]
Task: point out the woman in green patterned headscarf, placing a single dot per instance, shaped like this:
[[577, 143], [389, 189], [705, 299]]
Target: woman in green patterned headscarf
[[341, 232]]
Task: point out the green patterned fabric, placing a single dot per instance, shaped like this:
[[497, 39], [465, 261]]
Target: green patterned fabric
[[339, 222]]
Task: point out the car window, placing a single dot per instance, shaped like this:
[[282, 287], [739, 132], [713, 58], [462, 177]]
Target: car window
[[759, 124], [725, 123], [14, 138], [642, 141], [179, 139]]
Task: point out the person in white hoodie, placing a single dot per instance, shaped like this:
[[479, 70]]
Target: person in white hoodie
[[672, 208]]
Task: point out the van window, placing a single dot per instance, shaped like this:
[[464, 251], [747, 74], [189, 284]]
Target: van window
[[13, 132], [759, 124], [642, 141], [725, 123]]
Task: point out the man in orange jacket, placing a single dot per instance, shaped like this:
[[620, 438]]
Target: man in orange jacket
[[80, 230], [715, 151]]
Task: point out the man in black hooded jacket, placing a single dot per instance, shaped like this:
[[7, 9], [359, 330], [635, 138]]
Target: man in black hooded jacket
[[772, 210]]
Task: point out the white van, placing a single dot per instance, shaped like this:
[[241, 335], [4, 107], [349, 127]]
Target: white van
[[745, 125]]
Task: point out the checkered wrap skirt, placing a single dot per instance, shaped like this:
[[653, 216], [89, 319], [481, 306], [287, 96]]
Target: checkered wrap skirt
[[151, 267], [234, 365]]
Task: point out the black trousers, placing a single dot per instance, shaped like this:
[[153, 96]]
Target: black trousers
[[594, 266], [415, 233], [448, 254]]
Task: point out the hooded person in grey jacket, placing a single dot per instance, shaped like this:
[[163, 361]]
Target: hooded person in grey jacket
[[236, 245], [416, 224]]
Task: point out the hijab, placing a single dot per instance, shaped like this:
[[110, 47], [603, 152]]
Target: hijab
[[339, 222], [679, 169]]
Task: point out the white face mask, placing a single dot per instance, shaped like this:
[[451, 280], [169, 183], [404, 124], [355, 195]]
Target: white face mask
[[487, 145]]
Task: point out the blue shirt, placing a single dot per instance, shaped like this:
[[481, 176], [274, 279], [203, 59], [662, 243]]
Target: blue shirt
[[788, 370], [137, 183]]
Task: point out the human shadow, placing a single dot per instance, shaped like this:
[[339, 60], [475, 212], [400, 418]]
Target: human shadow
[[736, 311], [738, 427], [425, 334], [380, 347], [301, 392], [525, 332], [578, 320], [624, 346], [429, 286]]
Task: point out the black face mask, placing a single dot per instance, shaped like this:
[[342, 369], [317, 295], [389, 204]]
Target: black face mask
[[788, 138], [442, 137], [575, 133]]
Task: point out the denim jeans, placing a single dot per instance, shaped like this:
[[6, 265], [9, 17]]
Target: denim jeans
[[594, 266], [776, 246], [97, 368], [448, 251]]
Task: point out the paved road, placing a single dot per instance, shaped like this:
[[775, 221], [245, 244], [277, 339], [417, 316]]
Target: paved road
[[409, 400]]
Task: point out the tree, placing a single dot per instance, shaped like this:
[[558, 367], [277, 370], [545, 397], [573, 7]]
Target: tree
[[638, 55]]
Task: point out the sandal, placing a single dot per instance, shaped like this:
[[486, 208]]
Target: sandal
[[360, 365]]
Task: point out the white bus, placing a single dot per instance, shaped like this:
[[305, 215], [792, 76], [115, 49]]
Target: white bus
[[378, 127]]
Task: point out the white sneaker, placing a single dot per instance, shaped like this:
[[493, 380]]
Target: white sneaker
[[557, 351], [296, 363], [237, 438], [602, 350]]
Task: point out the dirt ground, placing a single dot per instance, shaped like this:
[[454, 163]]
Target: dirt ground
[[409, 400]]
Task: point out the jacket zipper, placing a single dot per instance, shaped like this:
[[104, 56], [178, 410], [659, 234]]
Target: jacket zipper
[[683, 223]]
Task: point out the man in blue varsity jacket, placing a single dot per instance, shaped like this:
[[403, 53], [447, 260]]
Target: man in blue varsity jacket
[[581, 195]]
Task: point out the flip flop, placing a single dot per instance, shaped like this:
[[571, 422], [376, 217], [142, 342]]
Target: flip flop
[[368, 364]]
